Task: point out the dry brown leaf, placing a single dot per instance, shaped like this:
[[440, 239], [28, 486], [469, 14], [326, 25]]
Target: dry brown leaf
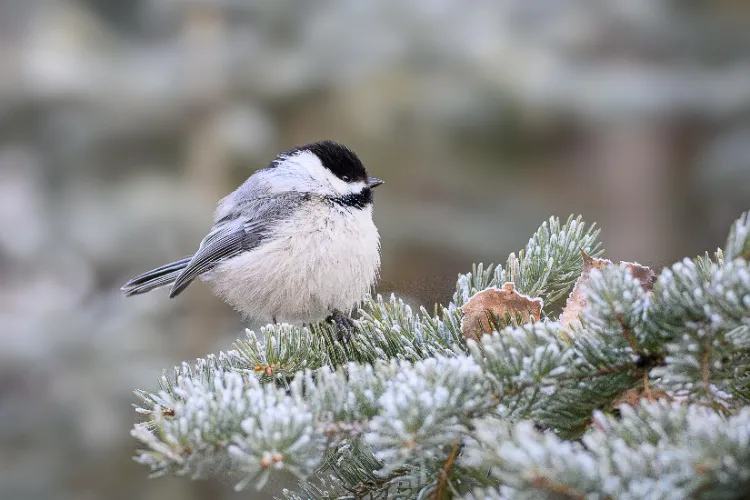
[[642, 273], [577, 302], [499, 302], [633, 397]]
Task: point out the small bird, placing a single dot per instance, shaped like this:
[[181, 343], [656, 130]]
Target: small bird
[[295, 243]]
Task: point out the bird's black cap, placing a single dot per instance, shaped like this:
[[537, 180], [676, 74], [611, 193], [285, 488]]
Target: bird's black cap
[[337, 158]]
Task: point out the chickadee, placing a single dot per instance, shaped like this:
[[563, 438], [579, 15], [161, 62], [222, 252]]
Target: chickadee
[[294, 243]]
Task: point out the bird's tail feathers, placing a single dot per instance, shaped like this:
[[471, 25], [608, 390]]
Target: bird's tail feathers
[[156, 278]]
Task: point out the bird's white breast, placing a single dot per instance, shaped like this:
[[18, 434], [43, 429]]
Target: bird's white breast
[[325, 257]]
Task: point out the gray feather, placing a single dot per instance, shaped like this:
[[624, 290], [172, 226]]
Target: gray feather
[[215, 248], [156, 278], [243, 220], [241, 225]]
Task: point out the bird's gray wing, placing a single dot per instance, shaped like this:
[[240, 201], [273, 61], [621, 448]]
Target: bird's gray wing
[[238, 230]]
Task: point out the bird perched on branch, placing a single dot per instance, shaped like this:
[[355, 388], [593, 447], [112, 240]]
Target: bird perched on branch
[[294, 243]]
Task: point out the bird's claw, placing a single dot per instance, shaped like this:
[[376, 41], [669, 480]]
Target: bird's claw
[[344, 324]]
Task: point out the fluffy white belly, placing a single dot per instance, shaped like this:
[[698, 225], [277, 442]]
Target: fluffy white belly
[[328, 260]]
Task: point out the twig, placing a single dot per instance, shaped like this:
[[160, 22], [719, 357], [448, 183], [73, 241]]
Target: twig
[[628, 336], [446, 472], [646, 387], [364, 488], [546, 484], [706, 365], [522, 386]]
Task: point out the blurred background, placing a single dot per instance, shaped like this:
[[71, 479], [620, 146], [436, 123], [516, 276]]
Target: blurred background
[[122, 122]]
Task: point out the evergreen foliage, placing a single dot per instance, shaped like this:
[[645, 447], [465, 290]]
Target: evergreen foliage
[[645, 398]]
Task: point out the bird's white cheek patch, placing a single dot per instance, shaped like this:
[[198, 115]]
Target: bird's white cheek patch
[[303, 172], [323, 177]]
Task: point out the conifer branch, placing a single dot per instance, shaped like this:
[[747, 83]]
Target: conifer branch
[[409, 408]]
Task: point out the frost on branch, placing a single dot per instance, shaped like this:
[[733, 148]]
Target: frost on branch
[[660, 450], [547, 267], [738, 242], [411, 408], [705, 325]]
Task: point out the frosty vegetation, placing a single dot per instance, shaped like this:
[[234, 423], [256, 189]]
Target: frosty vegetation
[[648, 396]]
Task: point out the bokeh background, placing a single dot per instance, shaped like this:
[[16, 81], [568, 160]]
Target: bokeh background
[[122, 122]]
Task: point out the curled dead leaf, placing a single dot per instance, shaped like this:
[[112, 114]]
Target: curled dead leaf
[[633, 397], [577, 301], [498, 302], [642, 273]]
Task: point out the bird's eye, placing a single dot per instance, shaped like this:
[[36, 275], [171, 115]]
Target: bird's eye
[[345, 178]]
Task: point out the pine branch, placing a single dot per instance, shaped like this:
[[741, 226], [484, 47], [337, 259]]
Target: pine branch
[[551, 261], [660, 451], [385, 330], [557, 384], [706, 327], [408, 408], [547, 267], [738, 241]]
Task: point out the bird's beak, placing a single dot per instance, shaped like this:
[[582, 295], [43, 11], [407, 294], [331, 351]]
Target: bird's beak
[[373, 182]]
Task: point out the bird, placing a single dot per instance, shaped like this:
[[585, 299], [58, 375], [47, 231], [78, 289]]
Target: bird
[[295, 243]]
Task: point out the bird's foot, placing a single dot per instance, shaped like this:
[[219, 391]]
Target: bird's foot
[[344, 323]]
